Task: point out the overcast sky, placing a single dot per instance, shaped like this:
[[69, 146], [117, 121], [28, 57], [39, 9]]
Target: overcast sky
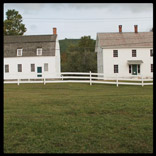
[[74, 20]]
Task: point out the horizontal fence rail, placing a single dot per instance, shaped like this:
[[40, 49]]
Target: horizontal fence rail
[[91, 78]]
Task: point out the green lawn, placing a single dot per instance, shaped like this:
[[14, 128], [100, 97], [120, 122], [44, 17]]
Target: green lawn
[[78, 118]]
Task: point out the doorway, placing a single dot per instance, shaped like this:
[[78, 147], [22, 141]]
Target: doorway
[[39, 71], [134, 69]]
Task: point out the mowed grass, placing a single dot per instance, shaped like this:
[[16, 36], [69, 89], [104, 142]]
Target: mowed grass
[[78, 118]]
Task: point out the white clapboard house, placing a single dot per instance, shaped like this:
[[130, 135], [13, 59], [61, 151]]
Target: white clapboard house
[[125, 54], [31, 56]]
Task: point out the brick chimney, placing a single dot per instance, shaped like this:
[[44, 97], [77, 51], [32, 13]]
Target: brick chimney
[[136, 28], [54, 31], [120, 28]]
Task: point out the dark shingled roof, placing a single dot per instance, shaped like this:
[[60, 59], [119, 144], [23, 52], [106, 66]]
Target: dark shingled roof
[[29, 44], [125, 40]]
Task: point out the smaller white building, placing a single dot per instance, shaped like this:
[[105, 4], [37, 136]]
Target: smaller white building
[[125, 54], [31, 56]]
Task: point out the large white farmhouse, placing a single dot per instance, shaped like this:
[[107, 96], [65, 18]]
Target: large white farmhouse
[[31, 56], [125, 54]]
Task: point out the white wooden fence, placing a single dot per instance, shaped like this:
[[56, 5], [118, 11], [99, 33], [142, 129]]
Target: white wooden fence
[[90, 78]]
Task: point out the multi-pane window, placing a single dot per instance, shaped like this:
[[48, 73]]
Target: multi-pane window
[[6, 68], [19, 52], [46, 67], [130, 70], [138, 68], [133, 53], [115, 53], [151, 67], [19, 67], [151, 52], [116, 70], [39, 51], [32, 67]]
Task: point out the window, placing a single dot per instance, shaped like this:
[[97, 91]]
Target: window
[[39, 51], [19, 52], [138, 68], [133, 53], [115, 53], [130, 71], [151, 52], [116, 69], [6, 68], [151, 67], [19, 66], [46, 67], [32, 67]]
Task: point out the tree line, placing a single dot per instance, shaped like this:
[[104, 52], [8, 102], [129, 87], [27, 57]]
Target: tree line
[[79, 57]]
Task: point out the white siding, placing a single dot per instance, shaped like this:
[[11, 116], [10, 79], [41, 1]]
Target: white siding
[[123, 56], [57, 55], [26, 67]]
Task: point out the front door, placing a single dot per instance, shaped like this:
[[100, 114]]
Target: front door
[[39, 71], [134, 69]]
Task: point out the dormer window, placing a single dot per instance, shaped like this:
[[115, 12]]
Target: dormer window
[[39, 51], [19, 52]]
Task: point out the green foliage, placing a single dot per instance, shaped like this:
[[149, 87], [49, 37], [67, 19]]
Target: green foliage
[[13, 24], [64, 44], [78, 118], [80, 56]]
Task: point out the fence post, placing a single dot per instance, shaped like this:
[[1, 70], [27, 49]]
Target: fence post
[[142, 81], [117, 81], [90, 78], [17, 81]]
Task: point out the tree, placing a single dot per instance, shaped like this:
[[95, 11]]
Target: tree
[[81, 57], [13, 24]]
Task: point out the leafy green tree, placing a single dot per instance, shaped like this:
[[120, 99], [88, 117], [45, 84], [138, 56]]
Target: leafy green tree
[[81, 57], [13, 24]]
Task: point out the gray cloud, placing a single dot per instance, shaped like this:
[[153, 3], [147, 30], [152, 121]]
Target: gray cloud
[[132, 7], [29, 7]]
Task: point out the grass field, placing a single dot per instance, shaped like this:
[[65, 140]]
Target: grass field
[[78, 118]]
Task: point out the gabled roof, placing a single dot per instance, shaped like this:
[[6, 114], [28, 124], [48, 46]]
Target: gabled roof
[[29, 38], [29, 44], [125, 40]]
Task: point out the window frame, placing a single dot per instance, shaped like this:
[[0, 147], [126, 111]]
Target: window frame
[[116, 68], [6, 69], [46, 67], [18, 67], [151, 68], [19, 50], [134, 54], [39, 50], [151, 52], [139, 68], [115, 53], [32, 68], [130, 69]]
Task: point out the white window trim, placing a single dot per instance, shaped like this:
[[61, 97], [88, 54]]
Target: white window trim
[[19, 52], [45, 67], [39, 50], [5, 68]]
